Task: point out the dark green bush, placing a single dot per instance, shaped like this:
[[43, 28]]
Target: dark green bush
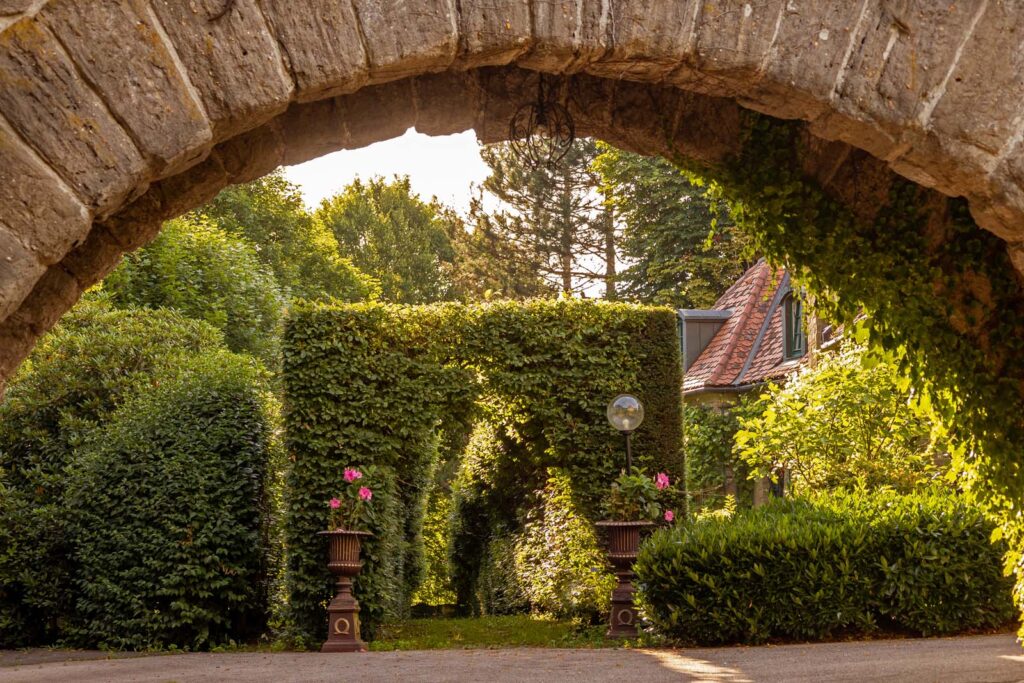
[[93, 361], [375, 384], [812, 569], [167, 513]]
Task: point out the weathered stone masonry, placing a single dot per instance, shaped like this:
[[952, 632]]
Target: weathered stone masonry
[[118, 114]]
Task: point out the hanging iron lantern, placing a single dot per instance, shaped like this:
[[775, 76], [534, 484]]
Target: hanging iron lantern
[[541, 132]]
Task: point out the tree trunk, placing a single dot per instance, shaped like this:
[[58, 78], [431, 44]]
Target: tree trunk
[[609, 255]]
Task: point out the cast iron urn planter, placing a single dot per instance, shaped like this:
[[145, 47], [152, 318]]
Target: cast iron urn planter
[[623, 545], [343, 613]]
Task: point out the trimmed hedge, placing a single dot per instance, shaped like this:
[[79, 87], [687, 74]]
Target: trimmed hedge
[[168, 513], [133, 449], [92, 362], [376, 384], [810, 569]]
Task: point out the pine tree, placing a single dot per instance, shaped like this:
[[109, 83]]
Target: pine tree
[[675, 257]]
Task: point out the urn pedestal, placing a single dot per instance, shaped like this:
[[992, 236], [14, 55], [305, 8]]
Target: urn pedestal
[[623, 545], [343, 561]]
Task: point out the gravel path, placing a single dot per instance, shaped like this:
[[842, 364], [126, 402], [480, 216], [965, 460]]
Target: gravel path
[[988, 659]]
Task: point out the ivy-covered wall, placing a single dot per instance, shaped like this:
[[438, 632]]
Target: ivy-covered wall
[[376, 384], [938, 290]]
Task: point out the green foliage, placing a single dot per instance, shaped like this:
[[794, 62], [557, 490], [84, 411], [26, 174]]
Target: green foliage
[[97, 382], [391, 234], [93, 361], [633, 496], [167, 509], [711, 461], [301, 251], [558, 561], [676, 257], [207, 274], [941, 294], [817, 568], [846, 422], [373, 384]]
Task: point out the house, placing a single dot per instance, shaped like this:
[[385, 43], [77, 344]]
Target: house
[[754, 333]]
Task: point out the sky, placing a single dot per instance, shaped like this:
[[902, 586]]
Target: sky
[[442, 167]]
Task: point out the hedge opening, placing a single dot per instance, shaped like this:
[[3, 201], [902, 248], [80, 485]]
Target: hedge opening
[[504, 405]]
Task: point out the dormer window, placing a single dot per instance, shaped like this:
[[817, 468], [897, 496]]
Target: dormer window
[[793, 320]]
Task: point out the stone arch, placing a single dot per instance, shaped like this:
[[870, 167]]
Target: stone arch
[[118, 114]]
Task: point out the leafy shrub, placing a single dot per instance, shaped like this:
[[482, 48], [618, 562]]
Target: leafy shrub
[[812, 569], [167, 510], [196, 268], [375, 384], [78, 375], [850, 421], [711, 459], [558, 561]]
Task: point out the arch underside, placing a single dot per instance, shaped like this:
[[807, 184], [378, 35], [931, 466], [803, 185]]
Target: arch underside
[[117, 115]]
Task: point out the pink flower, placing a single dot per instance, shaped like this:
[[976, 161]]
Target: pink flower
[[351, 475], [365, 493], [661, 481], [669, 516], [334, 503]]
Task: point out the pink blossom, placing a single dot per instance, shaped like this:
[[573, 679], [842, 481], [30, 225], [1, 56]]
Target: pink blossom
[[365, 493], [661, 481], [669, 516], [334, 503], [351, 474]]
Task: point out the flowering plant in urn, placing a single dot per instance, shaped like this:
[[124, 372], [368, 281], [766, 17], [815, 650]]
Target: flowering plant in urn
[[637, 496], [351, 508]]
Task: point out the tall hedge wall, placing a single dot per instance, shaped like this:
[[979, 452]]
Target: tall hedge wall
[[376, 384]]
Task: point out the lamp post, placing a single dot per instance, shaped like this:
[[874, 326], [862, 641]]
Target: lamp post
[[626, 413]]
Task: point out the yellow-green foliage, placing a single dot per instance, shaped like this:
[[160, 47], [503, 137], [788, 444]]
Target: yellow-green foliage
[[944, 296], [847, 422], [373, 384]]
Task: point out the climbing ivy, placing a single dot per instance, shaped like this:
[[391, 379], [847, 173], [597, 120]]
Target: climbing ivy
[[937, 290]]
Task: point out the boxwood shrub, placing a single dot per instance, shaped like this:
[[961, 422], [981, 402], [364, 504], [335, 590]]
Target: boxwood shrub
[[378, 384], [810, 569]]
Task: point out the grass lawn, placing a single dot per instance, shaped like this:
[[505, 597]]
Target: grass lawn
[[488, 632]]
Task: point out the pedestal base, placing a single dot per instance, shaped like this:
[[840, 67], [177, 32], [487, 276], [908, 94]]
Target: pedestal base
[[622, 621]]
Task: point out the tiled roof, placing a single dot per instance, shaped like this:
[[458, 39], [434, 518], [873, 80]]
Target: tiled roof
[[747, 349]]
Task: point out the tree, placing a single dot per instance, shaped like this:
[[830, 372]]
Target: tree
[[393, 235], [300, 250], [558, 222], [489, 265], [196, 268], [676, 257], [849, 421]]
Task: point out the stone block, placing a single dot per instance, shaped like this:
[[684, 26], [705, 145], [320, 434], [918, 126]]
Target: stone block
[[376, 113], [19, 271], [231, 58], [94, 259], [407, 39], [567, 35], [36, 204], [732, 38], [493, 32], [154, 101], [446, 103], [252, 154], [64, 120], [55, 292], [321, 42], [313, 129], [648, 39]]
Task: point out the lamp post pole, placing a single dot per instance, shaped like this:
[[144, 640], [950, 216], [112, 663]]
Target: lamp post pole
[[629, 451]]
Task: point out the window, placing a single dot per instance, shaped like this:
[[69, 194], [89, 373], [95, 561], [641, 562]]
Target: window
[[793, 320]]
